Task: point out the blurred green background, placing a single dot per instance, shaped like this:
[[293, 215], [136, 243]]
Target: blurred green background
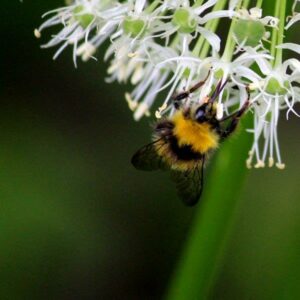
[[78, 222]]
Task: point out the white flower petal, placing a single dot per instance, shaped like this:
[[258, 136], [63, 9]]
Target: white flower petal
[[200, 9], [293, 20], [217, 15], [290, 46], [211, 37]]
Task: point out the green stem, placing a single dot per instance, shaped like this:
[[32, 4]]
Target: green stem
[[152, 6], [198, 266], [278, 57], [210, 25], [259, 3], [230, 44], [275, 30], [198, 3]]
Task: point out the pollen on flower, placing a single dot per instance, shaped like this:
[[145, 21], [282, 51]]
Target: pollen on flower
[[160, 110], [37, 33], [280, 166], [249, 159], [141, 110], [271, 162], [86, 51], [249, 164], [259, 164], [132, 54], [131, 103]]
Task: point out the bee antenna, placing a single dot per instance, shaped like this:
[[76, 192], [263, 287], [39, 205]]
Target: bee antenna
[[186, 93], [218, 90]]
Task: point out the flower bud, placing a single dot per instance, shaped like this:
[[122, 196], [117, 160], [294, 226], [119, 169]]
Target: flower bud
[[274, 87], [133, 27], [183, 19], [84, 19], [249, 32], [219, 74]]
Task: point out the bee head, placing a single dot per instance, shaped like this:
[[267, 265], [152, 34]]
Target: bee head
[[205, 112]]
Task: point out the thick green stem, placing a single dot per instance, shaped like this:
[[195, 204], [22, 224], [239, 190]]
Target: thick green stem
[[278, 58], [275, 30], [259, 3], [199, 264]]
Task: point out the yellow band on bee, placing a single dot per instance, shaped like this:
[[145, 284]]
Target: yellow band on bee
[[199, 136]]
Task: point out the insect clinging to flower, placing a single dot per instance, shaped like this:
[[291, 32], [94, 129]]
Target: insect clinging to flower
[[161, 46], [183, 142]]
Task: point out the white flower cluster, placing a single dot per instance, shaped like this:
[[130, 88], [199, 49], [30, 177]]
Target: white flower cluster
[[163, 47]]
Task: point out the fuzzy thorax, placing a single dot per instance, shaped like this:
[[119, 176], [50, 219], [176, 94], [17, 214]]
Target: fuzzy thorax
[[200, 136]]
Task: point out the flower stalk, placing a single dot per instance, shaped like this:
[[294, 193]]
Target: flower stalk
[[201, 49], [282, 16], [200, 261], [275, 30]]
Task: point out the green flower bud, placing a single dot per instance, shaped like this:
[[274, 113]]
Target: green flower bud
[[219, 74], [186, 73], [249, 31], [133, 27], [183, 19], [274, 87], [84, 19]]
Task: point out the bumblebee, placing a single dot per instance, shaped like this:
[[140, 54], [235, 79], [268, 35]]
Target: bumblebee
[[183, 142]]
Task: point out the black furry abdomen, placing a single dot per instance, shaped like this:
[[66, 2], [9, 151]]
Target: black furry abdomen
[[185, 152]]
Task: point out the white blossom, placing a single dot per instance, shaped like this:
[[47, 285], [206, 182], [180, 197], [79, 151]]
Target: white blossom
[[295, 17], [276, 92], [155, 47], [255, 14], [80, 21]]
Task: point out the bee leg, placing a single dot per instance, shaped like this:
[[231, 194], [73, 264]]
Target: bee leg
[[177, 98], [219, 88], [199, 84], [235, 118]]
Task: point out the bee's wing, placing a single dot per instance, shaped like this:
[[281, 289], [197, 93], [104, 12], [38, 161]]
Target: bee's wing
[[189, 184], [147, 158]]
